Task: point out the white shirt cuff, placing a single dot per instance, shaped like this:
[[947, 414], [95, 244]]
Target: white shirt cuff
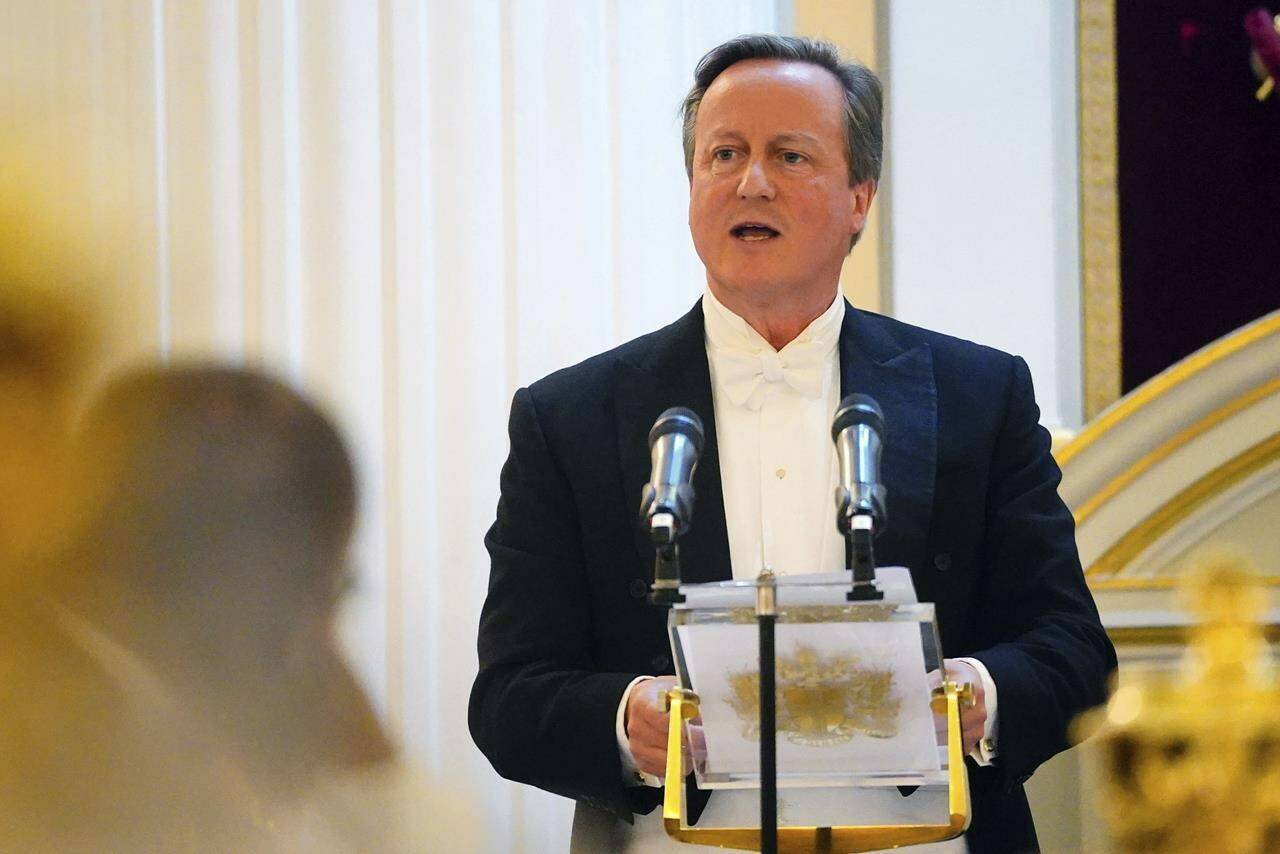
[[985, 750], [631, 775]]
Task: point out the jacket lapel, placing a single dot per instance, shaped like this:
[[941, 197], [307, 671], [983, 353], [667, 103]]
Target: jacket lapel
[[674, 372], [900, 378]]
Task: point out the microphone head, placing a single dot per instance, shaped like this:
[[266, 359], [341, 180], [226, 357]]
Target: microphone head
[[857, 409], [678, 419]]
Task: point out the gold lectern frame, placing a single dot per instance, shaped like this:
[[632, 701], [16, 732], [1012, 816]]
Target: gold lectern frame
[[683, 705]]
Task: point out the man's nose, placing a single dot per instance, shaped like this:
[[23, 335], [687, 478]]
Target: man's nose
[[755, 183]]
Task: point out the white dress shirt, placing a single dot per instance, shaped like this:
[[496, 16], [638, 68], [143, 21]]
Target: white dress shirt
[[777, 461], [778, 471]]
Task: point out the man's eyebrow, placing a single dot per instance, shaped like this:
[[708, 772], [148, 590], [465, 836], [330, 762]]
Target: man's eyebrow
[[790, 137], [796, 136], [725, 133]]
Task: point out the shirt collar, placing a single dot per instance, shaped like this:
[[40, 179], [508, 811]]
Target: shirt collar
[[727, 331]]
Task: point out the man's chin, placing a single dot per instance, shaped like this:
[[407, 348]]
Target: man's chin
[[756, 285]]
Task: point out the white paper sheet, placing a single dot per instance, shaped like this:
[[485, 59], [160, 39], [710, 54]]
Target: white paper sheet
[[827, 660]]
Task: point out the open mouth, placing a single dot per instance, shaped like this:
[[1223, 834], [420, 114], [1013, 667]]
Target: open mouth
[[754, 231]]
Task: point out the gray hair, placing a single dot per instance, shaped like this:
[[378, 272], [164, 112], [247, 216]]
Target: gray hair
[[863, 96]]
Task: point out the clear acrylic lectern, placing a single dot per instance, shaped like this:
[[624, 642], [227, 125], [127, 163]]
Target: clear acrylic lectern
[[854, 709]]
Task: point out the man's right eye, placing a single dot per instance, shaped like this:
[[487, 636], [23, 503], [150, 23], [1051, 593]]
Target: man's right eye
[[723, 154]]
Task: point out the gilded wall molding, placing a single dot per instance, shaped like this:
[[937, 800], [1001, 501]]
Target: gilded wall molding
[[1166, 449], [1113, 561], [1167, 381], [1222, 399], [1099, 205]]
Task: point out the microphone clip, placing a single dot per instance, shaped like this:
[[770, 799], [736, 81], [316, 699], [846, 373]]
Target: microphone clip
[[860, 558], [664, 529]]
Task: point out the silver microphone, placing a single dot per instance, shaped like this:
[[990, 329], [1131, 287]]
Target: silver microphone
[[666, 504], [857, 430]]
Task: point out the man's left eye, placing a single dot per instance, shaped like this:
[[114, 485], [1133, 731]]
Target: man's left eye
[[792, 157]]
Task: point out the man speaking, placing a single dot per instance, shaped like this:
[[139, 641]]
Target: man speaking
[[782, 144]]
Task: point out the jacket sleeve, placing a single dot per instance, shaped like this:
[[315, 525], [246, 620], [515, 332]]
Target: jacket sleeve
[[1052, 659], [539, 710]]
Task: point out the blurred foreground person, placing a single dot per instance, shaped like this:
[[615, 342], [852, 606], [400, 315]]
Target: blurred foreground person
[[175, 684]]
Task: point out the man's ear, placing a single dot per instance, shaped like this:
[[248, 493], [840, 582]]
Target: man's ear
[[860, 196]]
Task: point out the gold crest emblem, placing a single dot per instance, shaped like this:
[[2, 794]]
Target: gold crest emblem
[[822, 700]]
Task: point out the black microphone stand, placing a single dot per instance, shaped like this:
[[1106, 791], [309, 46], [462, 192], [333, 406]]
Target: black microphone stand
[[766, 619]]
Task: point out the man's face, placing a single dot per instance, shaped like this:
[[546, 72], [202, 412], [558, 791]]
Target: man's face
[[770, 206]]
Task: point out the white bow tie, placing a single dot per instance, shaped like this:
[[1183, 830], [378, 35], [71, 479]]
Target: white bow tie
[[743, 373]]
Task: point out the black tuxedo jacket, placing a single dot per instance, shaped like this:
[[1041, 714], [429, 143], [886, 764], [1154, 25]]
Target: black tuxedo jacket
[[973, 512]]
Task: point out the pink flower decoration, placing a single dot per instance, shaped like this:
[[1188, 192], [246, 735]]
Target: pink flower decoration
[[1265, 39]]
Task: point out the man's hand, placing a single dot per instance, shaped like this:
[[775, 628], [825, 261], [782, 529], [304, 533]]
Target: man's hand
[[646, 724], [973, 720]]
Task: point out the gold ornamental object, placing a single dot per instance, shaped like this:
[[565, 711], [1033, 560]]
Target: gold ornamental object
[[1191, 760]]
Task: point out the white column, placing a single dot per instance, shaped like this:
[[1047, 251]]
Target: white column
[[982, 178]]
